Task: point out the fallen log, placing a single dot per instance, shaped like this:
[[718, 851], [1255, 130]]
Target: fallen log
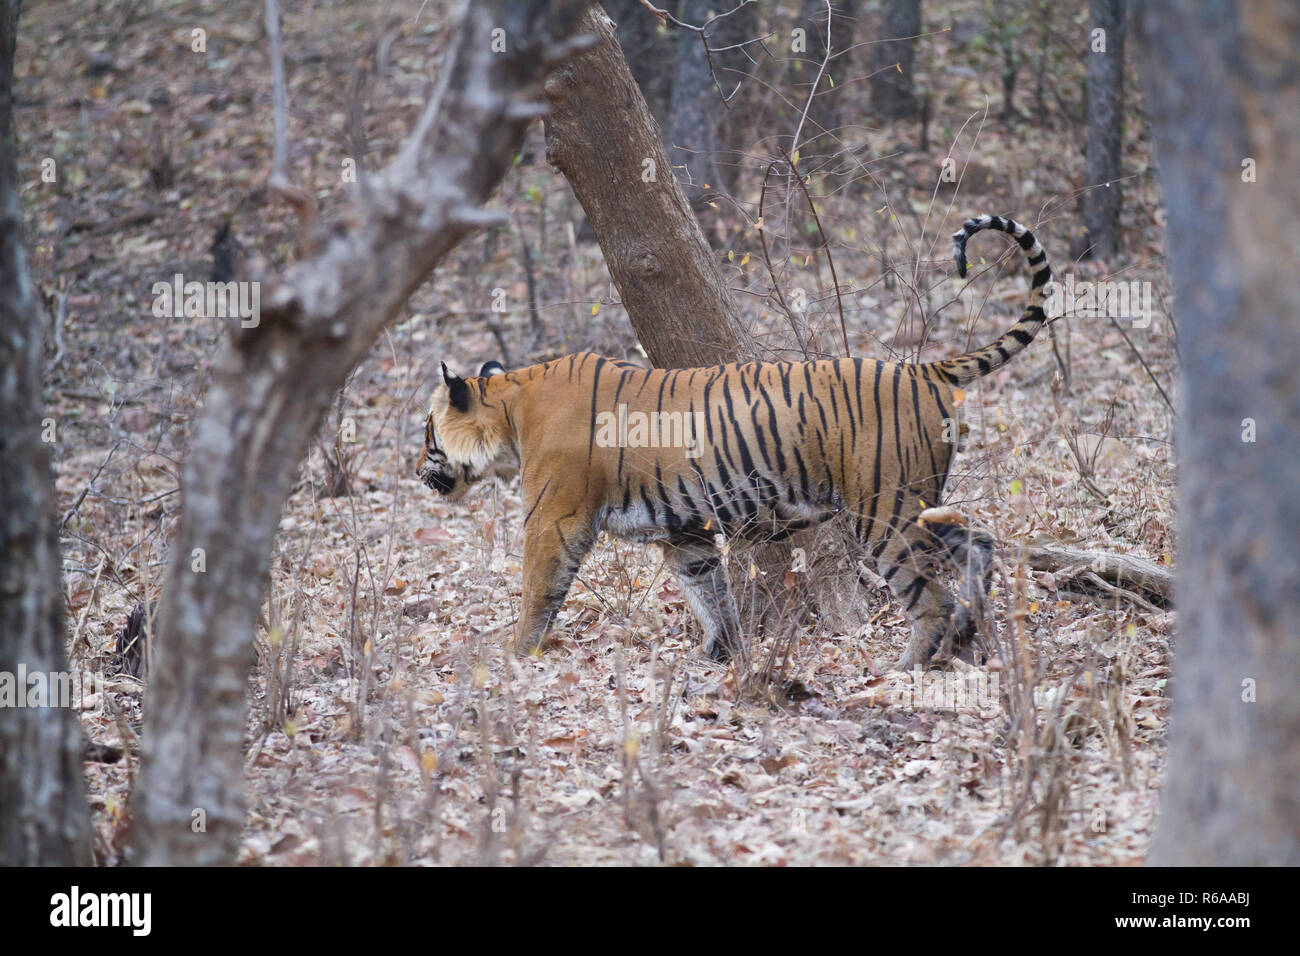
[[1099, 575]]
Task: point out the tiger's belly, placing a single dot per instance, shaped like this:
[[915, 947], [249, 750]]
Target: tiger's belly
[[696, 511]]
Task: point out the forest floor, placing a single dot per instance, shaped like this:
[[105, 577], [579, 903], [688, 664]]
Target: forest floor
[[387, 722]]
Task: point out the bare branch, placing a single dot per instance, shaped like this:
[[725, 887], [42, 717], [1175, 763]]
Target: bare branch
[[280, 98]]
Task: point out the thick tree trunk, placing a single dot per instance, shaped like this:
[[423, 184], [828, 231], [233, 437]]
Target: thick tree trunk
[[893, 85], [1224, 102], [43, 814], [1103, 198], [271, 385], [601, 137]]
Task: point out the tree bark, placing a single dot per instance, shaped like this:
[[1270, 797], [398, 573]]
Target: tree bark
[[693, 111], [829, 110], [43, 815], [649, 50], [601, 137], [1103, 198], [270, 387], [893, 85], [739, 117], [1225, 108]]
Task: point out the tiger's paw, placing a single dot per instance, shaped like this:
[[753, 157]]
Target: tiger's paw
[[716, 650], [958, 642], [531, 648]]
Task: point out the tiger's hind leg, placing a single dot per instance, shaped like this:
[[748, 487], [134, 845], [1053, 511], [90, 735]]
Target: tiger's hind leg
[[970, 552], [909, 561], [697, 564]]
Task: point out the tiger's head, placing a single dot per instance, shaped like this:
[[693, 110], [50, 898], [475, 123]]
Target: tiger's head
[[467, 435]]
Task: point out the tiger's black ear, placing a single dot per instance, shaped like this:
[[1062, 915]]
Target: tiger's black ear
[[457, 390], [491, 368]]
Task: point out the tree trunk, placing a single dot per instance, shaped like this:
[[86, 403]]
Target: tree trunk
[[270, 387], [1222, 94], [43, 814], [601, 137], [693, 112], [739, 118], [893, 86], [829, 111], [1102, 199], [648, 49]]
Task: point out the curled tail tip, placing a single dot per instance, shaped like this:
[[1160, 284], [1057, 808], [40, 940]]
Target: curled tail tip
[[979, 224], [960, 237], [959, 249]]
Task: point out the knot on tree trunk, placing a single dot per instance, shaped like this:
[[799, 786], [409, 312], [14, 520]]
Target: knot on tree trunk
[[647, 265]]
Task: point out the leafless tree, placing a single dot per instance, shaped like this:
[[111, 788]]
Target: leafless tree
[[601, 136], [648, 49], [1103, 198], [270, 387], [829, 110], [1225, 108], [893, 84], [43, 814]]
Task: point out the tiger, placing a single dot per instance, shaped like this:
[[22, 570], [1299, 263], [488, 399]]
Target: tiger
[[755, 450]]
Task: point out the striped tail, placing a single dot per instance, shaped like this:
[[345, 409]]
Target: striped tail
[[972, 365]]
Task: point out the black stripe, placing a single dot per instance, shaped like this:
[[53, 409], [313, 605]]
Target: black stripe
[[776, 434], [848, 413], [703, 566], [540, 495], [708, 419], [803, 474], [595, 384], [880, 447], [857, 386], [913, 591]]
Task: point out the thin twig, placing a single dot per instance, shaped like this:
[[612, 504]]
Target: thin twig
[[767, 259], [60, 319], [67, 516], [826, 245], [1119, 328], [667, 19], [794, 143]]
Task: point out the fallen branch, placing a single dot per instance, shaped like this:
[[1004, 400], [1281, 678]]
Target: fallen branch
[[1100, 575], [98, 227]]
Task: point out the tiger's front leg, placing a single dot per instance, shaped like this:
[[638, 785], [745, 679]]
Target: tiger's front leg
[[703, 580], [552, 556]]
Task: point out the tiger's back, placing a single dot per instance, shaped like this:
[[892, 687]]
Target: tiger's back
[[754, 449]]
